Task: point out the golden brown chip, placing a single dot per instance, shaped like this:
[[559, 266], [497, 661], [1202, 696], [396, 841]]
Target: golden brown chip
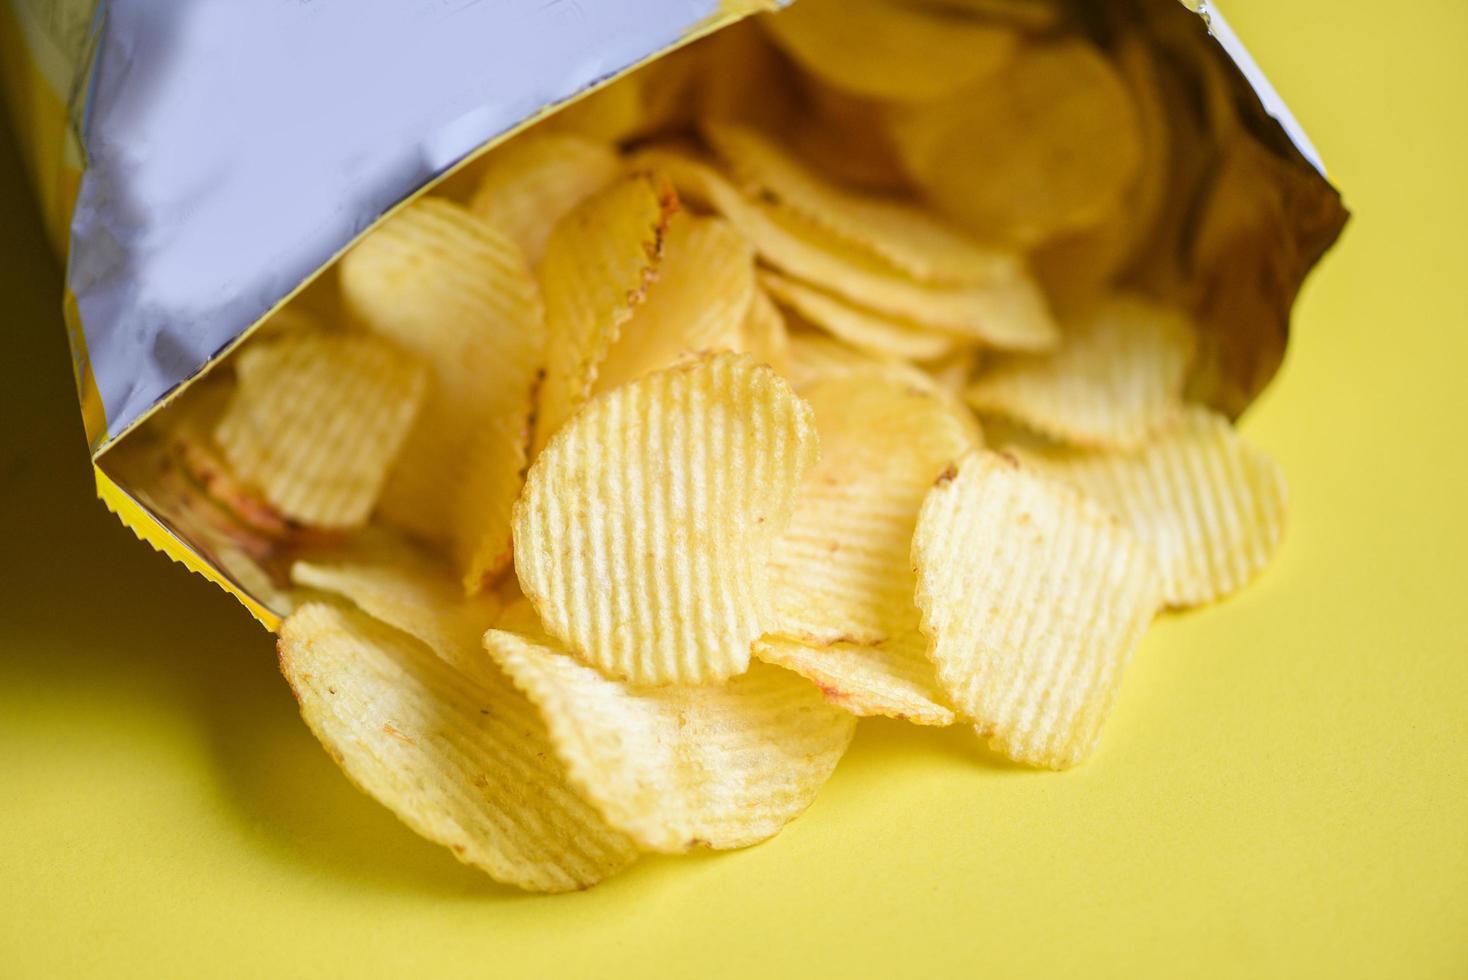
[[907, 237], [842, 568], [1115, 381], [1046, 146], [412, 593], [894, 678], [677, 767], [448, 287], [1033, 598], [599, 263], [1210, 506], [765, 334], [1008, 312], [890, 50], [317, 420], [698, 303], [462, 759], [644, 533], [534, 180], [866, 330]]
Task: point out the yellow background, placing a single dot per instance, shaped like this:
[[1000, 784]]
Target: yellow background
[[1282, 791]]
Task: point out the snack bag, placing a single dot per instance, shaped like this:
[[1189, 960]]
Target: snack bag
[[609, 403]]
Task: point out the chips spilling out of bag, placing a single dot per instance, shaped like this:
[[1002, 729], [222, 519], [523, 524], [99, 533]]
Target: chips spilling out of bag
[[808, 374]]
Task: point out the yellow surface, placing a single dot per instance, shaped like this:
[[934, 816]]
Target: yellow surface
[[1282, 792]]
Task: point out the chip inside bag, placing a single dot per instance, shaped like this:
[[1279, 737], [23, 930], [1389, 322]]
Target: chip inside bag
[[855, 360]]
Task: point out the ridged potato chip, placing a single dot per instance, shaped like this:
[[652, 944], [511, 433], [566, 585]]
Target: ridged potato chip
[[317, 420], [409, 592], [842, 568], [1048, 145], [462, 759], [866, 330], [643, 537], [1033, 597], [1008, 313], [765, 334], [697, 304], [448, 287], [599, 263], [894, 678], [1115, 381], [890, 50], [906, 236], [677, 767], [531, 182], [1210, 506]]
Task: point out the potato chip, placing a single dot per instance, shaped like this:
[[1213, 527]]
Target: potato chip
[[764, 332], [1033, 598], [890, 51], [698, 304], [865, 330], [409, 592], [643, 537], [677, 767], [1211, 507], [1116, 380], [317, 420], [1047, 146], [894, 678], [1007, 313], [531, 182], [842, 568], [448, 287], [907, 237], [464, 760], [599, 263]]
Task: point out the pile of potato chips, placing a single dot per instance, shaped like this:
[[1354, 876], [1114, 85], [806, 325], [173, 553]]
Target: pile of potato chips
[[805, 374]]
